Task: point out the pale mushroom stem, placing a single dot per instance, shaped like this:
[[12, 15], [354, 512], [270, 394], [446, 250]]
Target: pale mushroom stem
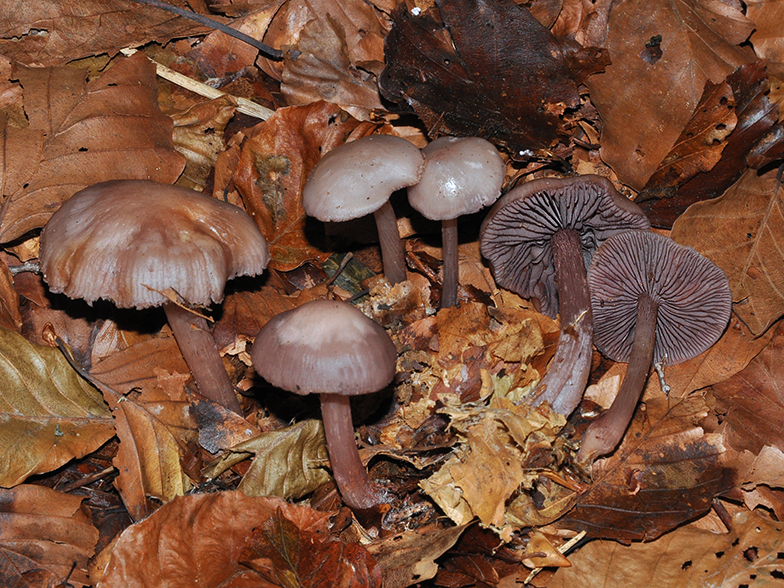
[[351, 476], [200, 352], [564, 383], [604, 434], [392, 252], [451, 266]]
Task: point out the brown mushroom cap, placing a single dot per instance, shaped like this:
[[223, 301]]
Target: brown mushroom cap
[[692, 293], [126, 240], [516, 233], [462, 175], [325, 347], [357, 178]]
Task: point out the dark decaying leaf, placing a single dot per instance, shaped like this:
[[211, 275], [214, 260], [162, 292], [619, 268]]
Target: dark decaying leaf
[[480, 67]]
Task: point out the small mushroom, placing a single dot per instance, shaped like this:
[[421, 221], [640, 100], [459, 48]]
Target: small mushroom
[[652, 299], [330, 348], [539, 239], [128, 241], [358, 178], [462, 176]]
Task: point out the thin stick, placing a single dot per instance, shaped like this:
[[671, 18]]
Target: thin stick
[[562, 549]]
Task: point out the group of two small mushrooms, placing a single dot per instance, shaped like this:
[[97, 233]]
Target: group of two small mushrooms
[[574, 246]]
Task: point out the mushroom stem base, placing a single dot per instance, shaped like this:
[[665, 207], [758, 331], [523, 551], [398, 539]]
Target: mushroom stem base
[[350, 474], [200, 352]]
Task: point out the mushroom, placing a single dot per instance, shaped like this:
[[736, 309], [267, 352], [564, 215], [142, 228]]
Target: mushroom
[[652, 299], [539, 239], [129, 241], [358, 178], [331, 349], [462, 176]]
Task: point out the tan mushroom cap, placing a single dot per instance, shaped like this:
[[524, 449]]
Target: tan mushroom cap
[[128, 240], [462, 175], [357, 178], [324, 347]]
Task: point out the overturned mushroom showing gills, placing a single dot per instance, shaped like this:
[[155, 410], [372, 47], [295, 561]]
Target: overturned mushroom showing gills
[[358, 178], [652, 299], [462, 176], [128, 241], [330, 348], [539, 239]]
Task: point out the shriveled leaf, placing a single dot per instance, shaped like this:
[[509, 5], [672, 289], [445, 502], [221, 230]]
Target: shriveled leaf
[[80, 133], [480, 67], [752, 402], [287, 555], [665, 472], [288, 463], [51, 32], [44, 533], [48, 413], [201, 537], [689, 557], [674, 46], [272, 168], [742, 232]]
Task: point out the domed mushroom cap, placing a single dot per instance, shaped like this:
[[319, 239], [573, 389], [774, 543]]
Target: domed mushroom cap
[[692, 293], [324, 346], [462, 175], [357, 178], [515, 236], [125, 240]]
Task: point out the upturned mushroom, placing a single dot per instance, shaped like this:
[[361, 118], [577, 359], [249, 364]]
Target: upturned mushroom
[[461, 176], [652, 299], [129, 241], [539, 239], [331, 349], [358, 178]]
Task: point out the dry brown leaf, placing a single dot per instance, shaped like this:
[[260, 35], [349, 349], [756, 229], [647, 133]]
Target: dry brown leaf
[[768, 38], [689, 557], [45, 532], [196, 541], [82, 132], [742, 232], [662, 56], [10, 316]]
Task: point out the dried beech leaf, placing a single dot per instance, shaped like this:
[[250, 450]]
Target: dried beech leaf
[[742, 232], [287, 555], [665, 472], [288, 463], [767, 39], [689, 557], [44, 532], [48, 413], [484, 68], [678, 46], [201, 537], [82, 133], [752, 401], [10, 316]]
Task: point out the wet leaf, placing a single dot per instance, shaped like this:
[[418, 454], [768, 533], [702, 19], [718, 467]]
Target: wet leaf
[[741, 232], [80, 133], [45, 532], [48, 413]]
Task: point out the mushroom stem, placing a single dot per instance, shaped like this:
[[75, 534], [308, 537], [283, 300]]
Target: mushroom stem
[[350, 475], [392, 252], [451, 266], [604, 434], [201, 354], [564, 383]]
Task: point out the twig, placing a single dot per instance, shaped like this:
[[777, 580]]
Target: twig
[[268, 51], [244, 105], [659, 367], [343, 263], [28, 266], [562, 549]]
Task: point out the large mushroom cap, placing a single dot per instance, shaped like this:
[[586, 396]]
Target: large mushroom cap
[[693, 296], [128, 240], [462, 176], [324, 346], [357, 178], [516, 233]]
